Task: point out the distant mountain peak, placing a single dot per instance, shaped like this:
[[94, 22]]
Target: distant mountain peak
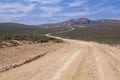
[[78, 21], [106, 20]]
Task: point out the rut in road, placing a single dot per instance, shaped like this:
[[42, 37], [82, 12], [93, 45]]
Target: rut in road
[[96, 66], [77, 60]]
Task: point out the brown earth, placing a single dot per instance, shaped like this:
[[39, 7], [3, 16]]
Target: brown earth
[[75, 60], [11, 56]]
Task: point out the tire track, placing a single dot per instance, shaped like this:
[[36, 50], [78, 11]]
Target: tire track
[[114, 61], [87, 69], [95, 62], [21, 64]]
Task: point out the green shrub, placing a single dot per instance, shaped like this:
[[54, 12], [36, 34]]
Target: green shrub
[[31, 37]]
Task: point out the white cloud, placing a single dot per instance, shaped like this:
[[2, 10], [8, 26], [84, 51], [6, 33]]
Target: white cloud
[[73, 14], [116, 11], [49, 11], [15, 7], [45, 1], [87, 12], [77, 3], [14, 10], [11, 17]]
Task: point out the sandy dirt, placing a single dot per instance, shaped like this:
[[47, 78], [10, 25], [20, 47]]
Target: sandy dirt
[[77, 60], [10, 56]]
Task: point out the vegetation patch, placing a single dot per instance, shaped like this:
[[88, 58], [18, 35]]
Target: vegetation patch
[[91, 33], [8, 40]]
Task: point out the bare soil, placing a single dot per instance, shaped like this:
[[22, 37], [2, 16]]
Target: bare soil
[[75, 60], [11, 56]]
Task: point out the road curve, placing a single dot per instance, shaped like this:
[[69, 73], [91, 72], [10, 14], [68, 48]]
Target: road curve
[[77, 60]]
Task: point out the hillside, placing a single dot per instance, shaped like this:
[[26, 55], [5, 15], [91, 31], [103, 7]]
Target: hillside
[[14, 28], [14, 34], [68, 23], [9, 28], [104, 30]]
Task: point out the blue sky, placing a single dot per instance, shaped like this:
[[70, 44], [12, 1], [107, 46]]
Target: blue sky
[[52, 11]]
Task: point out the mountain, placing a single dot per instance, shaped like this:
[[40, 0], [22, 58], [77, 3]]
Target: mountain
[[15, 28], [77, 21], [56, 27], [105, 24], [104, 30], [28, 29], [80, 21], [107, 20], [68, 23]]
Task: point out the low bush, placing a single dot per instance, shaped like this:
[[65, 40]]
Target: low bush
[[31, 37]]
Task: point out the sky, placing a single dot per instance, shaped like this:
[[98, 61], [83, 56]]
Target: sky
[[53, 11]]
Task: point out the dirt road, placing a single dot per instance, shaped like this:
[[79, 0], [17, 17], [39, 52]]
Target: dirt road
[[78, 60]]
